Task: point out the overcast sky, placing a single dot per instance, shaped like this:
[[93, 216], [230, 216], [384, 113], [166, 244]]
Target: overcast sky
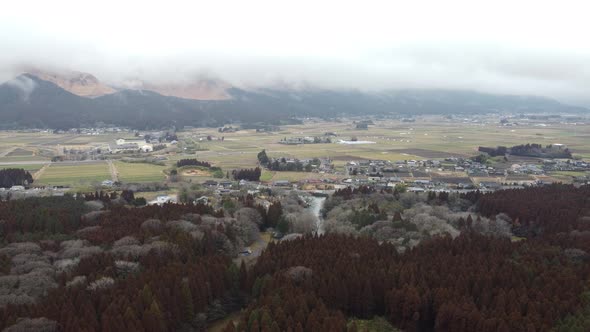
[[521, 47]]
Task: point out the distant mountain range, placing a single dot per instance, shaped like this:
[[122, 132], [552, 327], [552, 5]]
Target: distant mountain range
[[42, 100]]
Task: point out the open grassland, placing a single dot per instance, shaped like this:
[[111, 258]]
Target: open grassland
[[139, 172], [75, 175]]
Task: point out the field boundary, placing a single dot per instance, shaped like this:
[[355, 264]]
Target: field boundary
[[40, 172], [113, 171]]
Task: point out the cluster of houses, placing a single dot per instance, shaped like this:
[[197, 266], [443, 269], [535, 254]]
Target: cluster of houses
[[565, 165], [453, 173], [305, 140], [137, 144], [120, 145], [16, 192], [131, 145], [380, 168], [471, 168], [85, 131]]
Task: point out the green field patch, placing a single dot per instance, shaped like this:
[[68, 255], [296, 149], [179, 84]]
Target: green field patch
[[293, 176], [139, 172], [77, 175], [266, 175], [30, 168]]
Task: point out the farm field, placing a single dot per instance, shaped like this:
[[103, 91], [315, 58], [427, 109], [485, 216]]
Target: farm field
[[139, 172], [75, 175], [26, 167], [426, 138], [24, 159], [18, 152]]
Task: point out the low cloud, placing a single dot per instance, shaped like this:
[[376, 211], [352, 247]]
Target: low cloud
[[24, 84], [502, 48]]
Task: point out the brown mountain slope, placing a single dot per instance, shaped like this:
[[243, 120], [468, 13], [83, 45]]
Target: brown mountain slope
[[81, 84], [198, 90]]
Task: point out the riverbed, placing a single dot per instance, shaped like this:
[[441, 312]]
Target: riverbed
[[316, 204]]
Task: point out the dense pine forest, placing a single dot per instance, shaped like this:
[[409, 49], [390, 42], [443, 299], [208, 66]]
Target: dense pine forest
[[14, 177], [96, 263]]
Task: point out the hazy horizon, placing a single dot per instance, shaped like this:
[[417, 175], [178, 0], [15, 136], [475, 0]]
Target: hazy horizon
[[507, 48]]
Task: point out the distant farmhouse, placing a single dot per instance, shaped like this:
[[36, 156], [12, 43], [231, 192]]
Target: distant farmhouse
[[123, 145]]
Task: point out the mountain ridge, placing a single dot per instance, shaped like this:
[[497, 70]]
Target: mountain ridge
[[30, 102]]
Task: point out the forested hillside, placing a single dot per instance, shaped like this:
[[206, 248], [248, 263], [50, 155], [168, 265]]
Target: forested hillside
[[95, 263]]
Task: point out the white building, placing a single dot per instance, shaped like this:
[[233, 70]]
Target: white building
[[160, 200], [107, 183], [147, 148]]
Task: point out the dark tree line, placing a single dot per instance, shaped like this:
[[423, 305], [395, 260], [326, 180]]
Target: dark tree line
[[49, 215], [14, 177], [249, 174], [494, 152], [281, 164], [528, 150], [350, 192], [66, 215], [192, 162]]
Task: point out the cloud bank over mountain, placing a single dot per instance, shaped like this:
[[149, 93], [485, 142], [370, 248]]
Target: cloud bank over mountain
[[501, 47]]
